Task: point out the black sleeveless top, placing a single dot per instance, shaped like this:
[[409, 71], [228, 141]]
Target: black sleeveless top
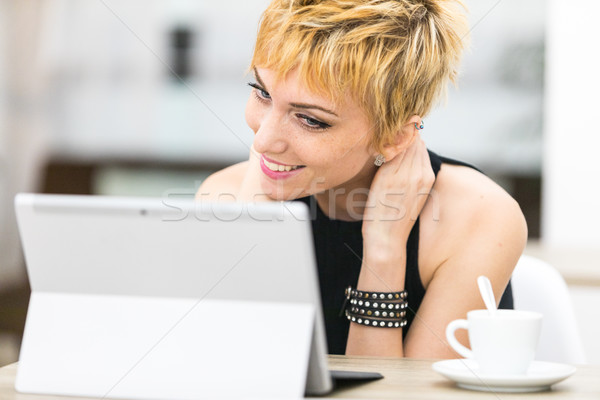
[[339, 249]]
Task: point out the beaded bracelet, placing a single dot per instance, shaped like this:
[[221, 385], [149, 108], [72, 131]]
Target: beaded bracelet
[[379, 323], [377, 313], [361, 294], [379, 305], [366, 305]]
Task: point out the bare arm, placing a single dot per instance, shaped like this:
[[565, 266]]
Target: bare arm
[[481, 232], [237, 183], [487, 238], [223, 185]]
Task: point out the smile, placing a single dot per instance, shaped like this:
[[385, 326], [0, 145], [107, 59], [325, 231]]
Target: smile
[[279, 167], [278, 171]]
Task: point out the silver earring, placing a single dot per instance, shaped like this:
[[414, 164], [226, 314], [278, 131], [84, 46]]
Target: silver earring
[[379, 160]]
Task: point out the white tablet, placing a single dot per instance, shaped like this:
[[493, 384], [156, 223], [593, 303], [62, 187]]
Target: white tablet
[[160, 298]]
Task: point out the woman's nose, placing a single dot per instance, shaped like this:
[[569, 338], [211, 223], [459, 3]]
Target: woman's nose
[[270, 137]]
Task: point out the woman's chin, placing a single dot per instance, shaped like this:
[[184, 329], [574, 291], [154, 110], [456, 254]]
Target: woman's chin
[[282, 196], [280, 192]]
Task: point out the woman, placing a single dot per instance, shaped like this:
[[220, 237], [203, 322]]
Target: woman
[[340, 90]]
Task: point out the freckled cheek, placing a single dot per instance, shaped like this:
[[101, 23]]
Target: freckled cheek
[[253, 115]]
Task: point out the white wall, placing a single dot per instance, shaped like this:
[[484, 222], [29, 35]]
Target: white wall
[[571, 197]]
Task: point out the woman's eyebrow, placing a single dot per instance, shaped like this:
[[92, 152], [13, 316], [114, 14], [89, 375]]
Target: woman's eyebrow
[[260, 81], [295, 105], [305, 106]]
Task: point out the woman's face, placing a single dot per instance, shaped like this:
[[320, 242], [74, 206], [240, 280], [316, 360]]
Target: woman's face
[[307, 144]]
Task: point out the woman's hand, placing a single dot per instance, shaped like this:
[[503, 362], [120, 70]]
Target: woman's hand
[[397, 195]]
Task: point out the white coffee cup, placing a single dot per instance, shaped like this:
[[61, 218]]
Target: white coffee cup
[[503, 343]]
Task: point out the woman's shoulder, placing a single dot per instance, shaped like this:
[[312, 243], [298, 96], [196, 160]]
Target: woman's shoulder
[[466, 190], [222, 183], [467, 208]]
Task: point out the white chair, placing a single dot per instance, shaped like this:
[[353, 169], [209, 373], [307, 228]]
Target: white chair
[[537, 286]]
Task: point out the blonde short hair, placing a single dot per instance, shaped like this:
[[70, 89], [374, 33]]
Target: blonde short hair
[[395, 57]]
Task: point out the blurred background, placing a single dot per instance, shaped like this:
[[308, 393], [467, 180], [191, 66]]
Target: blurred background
[[147, 97]]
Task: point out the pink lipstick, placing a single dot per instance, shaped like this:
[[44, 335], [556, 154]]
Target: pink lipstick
[[284, 171]]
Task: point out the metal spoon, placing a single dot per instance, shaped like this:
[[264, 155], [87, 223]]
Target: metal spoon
[[485, 288]]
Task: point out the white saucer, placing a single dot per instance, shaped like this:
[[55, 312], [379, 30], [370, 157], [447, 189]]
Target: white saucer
[[540, 376]]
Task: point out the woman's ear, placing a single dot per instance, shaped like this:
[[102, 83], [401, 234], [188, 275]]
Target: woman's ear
[[404, 138]]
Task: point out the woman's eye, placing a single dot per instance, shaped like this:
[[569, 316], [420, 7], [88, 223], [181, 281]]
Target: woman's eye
[[313, 123], [264, 94], [261, 93]]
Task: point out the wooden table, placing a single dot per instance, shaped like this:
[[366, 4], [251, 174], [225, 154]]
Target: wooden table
[[404, 379], [414, 379]]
